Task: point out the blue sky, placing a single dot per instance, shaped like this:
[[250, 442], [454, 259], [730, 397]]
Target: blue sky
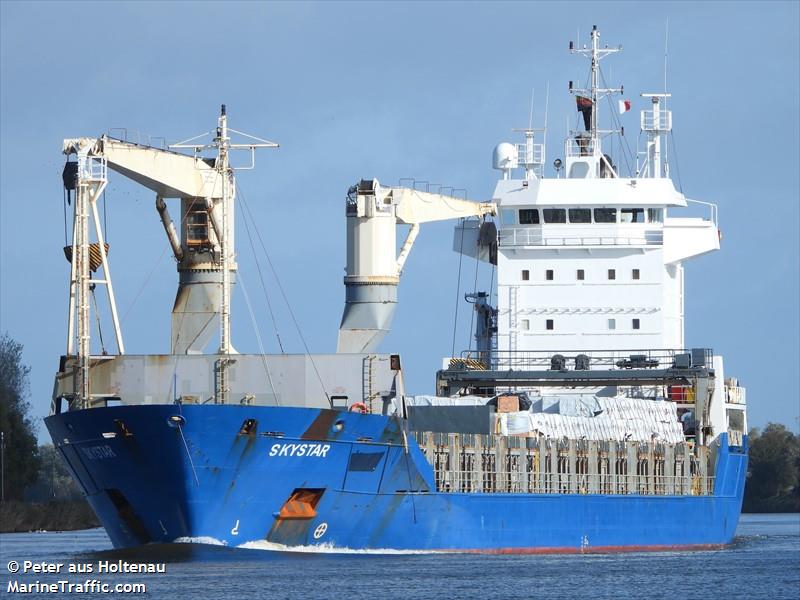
[[393, 90]]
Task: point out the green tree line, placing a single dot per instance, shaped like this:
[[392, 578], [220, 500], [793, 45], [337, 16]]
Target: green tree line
[[773, 477], [20, 454]]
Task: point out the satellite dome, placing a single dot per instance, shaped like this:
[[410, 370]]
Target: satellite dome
[[504, 157]]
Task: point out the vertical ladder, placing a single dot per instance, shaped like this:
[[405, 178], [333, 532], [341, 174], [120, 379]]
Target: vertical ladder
[[512, 320], [367, 380]]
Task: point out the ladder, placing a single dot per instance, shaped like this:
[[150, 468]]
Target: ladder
[[367, 380], [512, 318]]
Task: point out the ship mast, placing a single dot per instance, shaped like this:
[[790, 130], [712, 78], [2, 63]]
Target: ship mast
[[595, 93], [224, 231], [226, 177]]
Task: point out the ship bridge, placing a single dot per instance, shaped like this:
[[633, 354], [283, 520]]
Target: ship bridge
[[589, 261]]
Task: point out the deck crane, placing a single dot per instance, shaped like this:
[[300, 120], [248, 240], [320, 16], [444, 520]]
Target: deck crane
[[204, 248], [373, 271]]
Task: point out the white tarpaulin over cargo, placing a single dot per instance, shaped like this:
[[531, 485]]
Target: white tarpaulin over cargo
[[579, 416], [621, 419], [445, 401]]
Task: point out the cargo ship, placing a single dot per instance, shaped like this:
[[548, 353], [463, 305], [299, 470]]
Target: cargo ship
[[577, 421]]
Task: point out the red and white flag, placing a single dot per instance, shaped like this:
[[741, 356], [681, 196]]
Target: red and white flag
[[624, 106]]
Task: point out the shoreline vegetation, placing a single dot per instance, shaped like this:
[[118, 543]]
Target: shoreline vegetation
[[63, 515], [40, 494]]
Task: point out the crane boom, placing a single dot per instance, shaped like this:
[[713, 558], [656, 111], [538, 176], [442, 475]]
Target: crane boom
[[373, 270]]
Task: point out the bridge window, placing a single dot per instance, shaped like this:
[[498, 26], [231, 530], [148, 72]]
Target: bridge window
[[635, 274], [605, 215], [508, 217], [612, 323], [549, 324], [636, 323], [526, 275], [580, 274], [525, 324], [580, 215], [612, 274], [655, 215], [548, 275], [554, 215], [631, 215], [528, 216]]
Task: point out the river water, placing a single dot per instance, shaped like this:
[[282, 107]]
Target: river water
[[764, 562]]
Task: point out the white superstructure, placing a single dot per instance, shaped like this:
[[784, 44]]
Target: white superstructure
[[593, 260], [590, 268]]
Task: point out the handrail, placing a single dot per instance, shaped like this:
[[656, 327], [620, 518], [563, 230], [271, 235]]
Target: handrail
[[713, 208], [473, 463], [575, 483], [532, 156], [648, 120], [597, 359], [602, 236]]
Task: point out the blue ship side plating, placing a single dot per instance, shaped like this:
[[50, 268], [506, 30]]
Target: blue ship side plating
[[156, 478]]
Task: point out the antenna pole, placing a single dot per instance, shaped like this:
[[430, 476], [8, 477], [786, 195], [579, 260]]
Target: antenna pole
[[595, 76], [666, 145], [666, 44], [530, 116], [224, 252], [546, 108]]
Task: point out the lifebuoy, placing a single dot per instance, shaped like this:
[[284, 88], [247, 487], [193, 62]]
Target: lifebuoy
[[360, 407]]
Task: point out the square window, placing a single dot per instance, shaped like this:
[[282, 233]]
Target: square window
[[605, 215], [525, 324], [548, 274], [612, 323], [612, 274], [580, 215], [549, 324], [554, 215], [635, 274], [528, 216], [636, 323], [580, 275], [508, 216], [526, 275], [632, 215]]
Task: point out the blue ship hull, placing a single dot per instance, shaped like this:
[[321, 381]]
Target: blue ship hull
[[156, 473]]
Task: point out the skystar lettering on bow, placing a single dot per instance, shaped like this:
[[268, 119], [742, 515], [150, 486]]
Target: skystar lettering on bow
[[311, 450]]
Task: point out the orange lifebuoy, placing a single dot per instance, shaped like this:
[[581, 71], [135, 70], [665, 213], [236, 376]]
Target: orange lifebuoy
[[360, 407]]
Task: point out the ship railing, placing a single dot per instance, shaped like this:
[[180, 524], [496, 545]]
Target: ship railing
[[512, 482], [577, 144], [735, 394], [132, 136], [476, 463], [735, 437], [94, 168], [649, 121], [711, 208], [536, 236], [531, 156], [593, 359]]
